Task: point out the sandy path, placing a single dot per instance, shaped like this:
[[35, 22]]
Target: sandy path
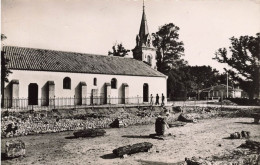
[[200, 139]]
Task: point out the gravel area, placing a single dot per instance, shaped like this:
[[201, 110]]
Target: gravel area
[[206, 138]]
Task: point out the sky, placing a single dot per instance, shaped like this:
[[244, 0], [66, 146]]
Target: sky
[[94, 26]]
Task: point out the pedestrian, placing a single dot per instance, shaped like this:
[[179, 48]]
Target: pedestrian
[[151, 99], [162, 99], [157, 99]]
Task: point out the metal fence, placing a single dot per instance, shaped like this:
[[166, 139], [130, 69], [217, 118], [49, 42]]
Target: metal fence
[[70, 102], [25, 104]]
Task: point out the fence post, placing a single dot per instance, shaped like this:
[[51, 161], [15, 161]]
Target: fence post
[[138, 101], [54, 101], [7, 104], [74, 102]]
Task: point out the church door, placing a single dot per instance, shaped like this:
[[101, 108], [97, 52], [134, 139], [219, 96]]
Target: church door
[[145, 92], [33, 94]]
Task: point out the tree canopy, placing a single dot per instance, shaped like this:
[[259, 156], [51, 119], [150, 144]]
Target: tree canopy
[[188, 80], [169, 48], [4, 70], [118, 50], [243, 57]]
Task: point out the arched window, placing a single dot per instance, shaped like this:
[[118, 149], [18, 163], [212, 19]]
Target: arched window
[[95, 81], [113, 83], [149, 60], [66, 83]]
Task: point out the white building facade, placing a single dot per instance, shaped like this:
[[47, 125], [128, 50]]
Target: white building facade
[[46, 77], [41, 87]]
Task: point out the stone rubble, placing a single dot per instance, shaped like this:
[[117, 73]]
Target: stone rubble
[[38, 122], [238, 135], [47, 122], [89, 133], [14, 148], [131, 149]]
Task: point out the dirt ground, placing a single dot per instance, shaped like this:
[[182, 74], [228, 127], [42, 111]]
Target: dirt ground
[[205, 138]]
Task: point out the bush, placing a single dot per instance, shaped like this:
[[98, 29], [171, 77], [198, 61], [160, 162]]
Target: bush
[[245, 101]]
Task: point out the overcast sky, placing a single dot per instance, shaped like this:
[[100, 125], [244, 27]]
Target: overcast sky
[[93, 26]]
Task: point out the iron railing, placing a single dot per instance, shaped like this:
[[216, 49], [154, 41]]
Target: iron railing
[[70, 102]]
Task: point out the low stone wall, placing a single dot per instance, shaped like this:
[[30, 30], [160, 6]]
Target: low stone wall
[[29, 123], [26, 123]]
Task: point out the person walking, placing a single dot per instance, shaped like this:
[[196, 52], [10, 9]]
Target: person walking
[[151, 99], [157, 99], [162, 99]]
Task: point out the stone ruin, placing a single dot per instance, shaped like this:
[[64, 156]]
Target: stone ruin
[[118, 123], [161, 126], [14, 148], [237, 135], [89, 133], [131, 149]]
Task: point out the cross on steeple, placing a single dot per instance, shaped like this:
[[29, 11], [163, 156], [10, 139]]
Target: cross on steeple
[[143, 5]]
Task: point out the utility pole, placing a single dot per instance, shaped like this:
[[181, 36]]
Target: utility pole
[[227, 84]]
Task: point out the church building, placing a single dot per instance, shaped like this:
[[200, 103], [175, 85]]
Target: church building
[[42, 76]]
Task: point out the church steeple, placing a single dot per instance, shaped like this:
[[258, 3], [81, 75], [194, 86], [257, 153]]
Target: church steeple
[[143, 32], [143, 38], [144, 51]]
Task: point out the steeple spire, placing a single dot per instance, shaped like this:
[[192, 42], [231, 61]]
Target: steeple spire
[[143, 5], [144, 50], [143, 32]]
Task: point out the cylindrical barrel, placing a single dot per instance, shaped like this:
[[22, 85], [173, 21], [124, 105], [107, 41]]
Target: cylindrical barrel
[[160, 126]]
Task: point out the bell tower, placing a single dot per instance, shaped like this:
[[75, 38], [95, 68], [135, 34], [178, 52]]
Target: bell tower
[[144, 50]]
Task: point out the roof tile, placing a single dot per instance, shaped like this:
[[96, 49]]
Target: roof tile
[[22, 58]]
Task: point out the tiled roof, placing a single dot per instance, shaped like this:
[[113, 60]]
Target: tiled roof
[[59, 61]]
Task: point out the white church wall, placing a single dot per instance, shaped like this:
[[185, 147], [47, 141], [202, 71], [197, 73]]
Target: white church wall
[[157, 85]]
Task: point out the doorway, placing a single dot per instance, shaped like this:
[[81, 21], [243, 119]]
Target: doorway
[[33, 94], [145, 92]]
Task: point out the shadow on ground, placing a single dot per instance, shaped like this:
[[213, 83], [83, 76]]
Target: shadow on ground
[[108, 156], [145, 162], [229, 138], [71, 137], [4, 157], [248, 123], [135, 136]]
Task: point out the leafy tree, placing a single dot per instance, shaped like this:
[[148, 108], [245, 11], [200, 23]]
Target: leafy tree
[[4, 70], [118, 50], [203, 76], [244, 61], [179, 82], [190, 79], [169, 48], [3, 37], [222, 79]]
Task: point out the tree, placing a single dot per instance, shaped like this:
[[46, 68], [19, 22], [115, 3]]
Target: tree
[[244, 61], [222, 79], [188, 80], [203, 76], [179, 83], [118, 50], [4, 70], [169, 49]]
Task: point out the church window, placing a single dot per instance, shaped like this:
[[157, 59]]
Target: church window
[[113, 83], [149, 60], [66, 83], [95, 81]]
